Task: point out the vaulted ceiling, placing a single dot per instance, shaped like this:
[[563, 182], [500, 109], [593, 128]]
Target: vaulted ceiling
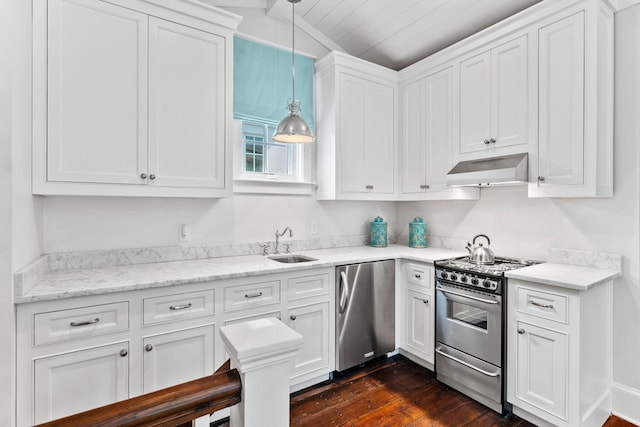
[[393, 33]]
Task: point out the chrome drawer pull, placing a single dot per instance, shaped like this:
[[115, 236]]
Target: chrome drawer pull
[[180, 307], [85, 323], [537, 304], [418, 276], [467, 296], [256, 295], [468, 365]]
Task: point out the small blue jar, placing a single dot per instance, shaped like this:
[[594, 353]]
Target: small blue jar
[[417, 233], [378, 231]]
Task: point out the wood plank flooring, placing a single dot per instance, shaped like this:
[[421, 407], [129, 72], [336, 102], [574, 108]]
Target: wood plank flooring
[[396, 392]]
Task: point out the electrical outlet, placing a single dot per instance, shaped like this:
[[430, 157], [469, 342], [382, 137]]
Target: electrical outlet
[[185, 233], [314, 228]]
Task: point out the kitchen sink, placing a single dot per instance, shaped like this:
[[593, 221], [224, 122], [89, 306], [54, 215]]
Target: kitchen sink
[[292, 259]]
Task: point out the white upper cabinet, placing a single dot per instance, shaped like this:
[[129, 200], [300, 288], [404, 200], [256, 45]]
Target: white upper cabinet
[[426, 137], [97, 97], [186, 117], [575, 69], [494, 101], [129, 104], [356, 133]]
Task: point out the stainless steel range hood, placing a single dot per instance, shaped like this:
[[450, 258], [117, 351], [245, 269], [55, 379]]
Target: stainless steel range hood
[[511, 169]]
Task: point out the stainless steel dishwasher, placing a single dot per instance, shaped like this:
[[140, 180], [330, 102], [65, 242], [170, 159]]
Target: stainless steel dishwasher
[[365, 312]]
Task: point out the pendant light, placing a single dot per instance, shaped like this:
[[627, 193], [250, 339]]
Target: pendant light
[[293, 128]]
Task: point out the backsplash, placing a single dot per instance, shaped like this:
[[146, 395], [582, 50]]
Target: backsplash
[[605, 261]]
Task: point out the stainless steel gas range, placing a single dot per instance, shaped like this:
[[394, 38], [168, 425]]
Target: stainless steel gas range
[[470, 327]]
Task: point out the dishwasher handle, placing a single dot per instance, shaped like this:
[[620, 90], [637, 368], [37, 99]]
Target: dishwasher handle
[[344, 292]]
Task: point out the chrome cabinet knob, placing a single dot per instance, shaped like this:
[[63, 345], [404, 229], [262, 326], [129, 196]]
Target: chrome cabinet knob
[[123, 352], [148, 347], [426, 301], [492, 141], [541, 179], [521, 331], [152, 176], [143, 175], [486, 141], [293, 317], [369, 187]]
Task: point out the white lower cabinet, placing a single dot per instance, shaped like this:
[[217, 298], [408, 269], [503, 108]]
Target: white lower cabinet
[[419, 334], [542, 368], [176, 357], [79, 353], [418, 324], [78, 380], [559, 353], [312, 322]]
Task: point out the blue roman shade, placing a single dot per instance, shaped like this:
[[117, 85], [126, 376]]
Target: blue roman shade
[[262, 82]]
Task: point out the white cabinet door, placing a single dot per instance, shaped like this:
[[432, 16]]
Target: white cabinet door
[[419, 324], [177, 357], [380, 138], [509, 94], [494, 100], [97, 93], [186, 106], [367, 136], [542, 368], [439, 129], [312, 322], [73, 382], [475, 102], [352, 144], [561, 58], [414, 144]]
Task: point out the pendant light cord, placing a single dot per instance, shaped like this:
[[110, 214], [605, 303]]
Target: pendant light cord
[[293, 54]]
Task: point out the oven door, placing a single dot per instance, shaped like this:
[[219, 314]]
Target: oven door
[[469, 321]]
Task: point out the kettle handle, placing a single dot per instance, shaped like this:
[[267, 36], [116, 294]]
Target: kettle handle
[[482, 235]]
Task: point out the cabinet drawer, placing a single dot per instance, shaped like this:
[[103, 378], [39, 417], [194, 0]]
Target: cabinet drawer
[[307, 286], [177, 307], [251, 295], [80, 322], [542, 304], [419, 275]]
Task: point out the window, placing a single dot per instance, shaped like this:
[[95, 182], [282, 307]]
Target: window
[[264, 156]]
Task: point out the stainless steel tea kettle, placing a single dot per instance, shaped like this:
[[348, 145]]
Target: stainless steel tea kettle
[[479, 254]]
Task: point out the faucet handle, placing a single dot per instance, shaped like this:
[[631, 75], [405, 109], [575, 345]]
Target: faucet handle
[[287, 248], [265, 249]]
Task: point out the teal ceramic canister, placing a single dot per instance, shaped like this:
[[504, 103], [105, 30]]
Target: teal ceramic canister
[[417, 233], [378, 231]]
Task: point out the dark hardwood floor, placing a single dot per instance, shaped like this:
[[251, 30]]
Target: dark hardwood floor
[[396, 392]]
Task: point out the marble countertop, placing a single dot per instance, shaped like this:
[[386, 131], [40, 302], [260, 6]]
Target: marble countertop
[[568, 276], [562, 270], [94, 281]]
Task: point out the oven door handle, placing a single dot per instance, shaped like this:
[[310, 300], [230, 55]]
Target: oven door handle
[[487, 301], [468, 365]]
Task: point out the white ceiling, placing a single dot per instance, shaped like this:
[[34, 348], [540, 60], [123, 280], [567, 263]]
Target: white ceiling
[[393, 33]]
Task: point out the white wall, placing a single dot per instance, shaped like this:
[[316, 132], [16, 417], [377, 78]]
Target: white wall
[[523, 227], [92, 223]]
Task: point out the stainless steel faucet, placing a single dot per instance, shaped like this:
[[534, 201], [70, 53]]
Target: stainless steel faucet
[[278, 235]]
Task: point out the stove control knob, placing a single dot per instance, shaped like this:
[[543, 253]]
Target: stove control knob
[[454, 276], [463, 279], [486, 284], [444, 275], [474, 281]]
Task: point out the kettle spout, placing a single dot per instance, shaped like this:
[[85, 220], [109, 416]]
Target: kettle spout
[[469, 248]]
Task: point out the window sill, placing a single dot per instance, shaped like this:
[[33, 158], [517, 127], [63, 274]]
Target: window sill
[[272, 186]]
